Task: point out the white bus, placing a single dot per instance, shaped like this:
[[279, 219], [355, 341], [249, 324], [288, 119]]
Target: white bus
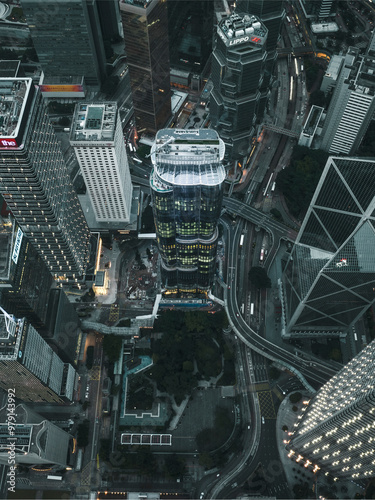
[[78, 466], [241, 239], [252, 309], [55, 478], [261, 255], [273, 187]]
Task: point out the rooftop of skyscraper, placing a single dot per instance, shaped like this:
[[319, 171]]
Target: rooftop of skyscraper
[[237, 29], [137, 3], [94, 122], [186, 157], [13, 97], [34, 435], [365, 75]]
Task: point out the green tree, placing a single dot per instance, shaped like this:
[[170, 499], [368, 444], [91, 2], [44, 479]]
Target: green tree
[[83, 434], [89, 357], [85, 405], [299, 180], [206, 460], [174, 466], [277, 214], [145, 461], [295, 397], [273, 373], [105, 449], [258, 277], [112, 345], [188, 366]]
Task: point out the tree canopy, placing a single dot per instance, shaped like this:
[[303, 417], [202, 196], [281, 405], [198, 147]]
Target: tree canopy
[[83, 433], [112, 347], [298, 181], [258, 277], [188, 338]]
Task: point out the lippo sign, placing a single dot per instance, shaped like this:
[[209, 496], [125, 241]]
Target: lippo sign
[[244, 39], [8, 143]]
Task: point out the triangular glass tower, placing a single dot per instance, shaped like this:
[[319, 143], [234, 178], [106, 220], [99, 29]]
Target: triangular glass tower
[[329, 279]]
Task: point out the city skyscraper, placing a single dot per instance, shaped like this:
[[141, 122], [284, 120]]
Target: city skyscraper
[[329, 279], [35, 181], [238, 63], [25, 281], [110, 20], [352, 105], [37, 440], [30, 365], [319, 9], [335, 431], [98, 142], [62, 29], [272, 14], [145, 25], [187, 189], [190, 27]]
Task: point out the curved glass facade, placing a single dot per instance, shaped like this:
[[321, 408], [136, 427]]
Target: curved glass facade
[[186, 187]]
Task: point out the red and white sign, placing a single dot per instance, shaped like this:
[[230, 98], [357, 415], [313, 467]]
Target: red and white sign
[[8, 143]]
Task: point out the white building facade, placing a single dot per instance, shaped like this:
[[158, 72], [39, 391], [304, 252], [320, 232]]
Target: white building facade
[[352, 106], [98, 142]]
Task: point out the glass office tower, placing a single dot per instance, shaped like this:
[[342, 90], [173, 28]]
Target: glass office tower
[[37, 440], [329, 279], [35, 181], [145, 24], [335, 432], [238, 62], [62, 30], [32, 367], [190, 26], [186, 186]]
